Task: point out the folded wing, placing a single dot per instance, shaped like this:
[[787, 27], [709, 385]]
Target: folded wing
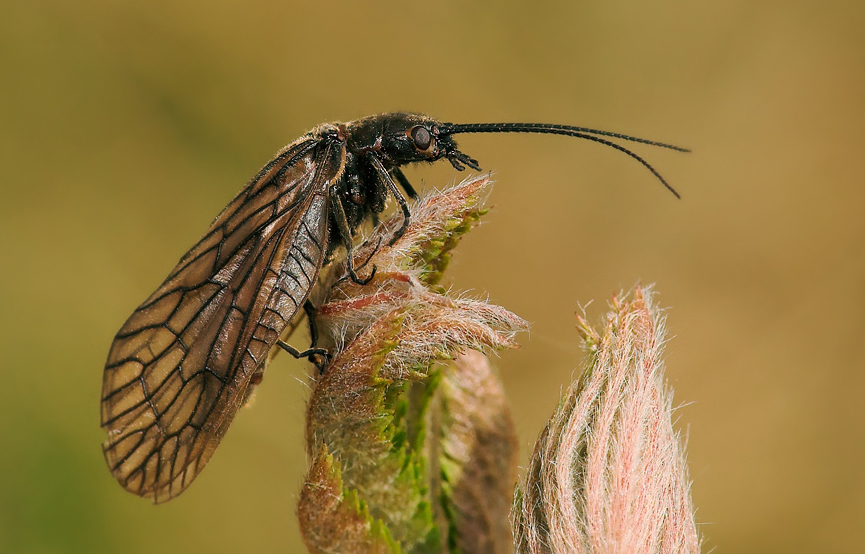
[[179, 367]]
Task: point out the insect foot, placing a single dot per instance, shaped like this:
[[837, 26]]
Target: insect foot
[[410, 439]]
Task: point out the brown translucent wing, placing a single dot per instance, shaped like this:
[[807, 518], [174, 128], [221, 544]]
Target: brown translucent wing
[[179, 367]]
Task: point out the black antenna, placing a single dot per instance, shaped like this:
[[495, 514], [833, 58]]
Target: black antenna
[[567, 130]]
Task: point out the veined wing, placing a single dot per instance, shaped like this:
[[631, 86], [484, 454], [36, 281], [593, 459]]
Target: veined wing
[[179, 367]]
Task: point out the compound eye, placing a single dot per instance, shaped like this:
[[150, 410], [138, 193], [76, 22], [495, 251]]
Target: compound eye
[[421, 137]]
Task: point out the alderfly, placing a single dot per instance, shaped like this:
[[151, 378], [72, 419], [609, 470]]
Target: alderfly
[[180, 366]]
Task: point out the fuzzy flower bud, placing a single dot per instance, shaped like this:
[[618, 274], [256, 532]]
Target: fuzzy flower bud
[[411, 443], [608, 474]]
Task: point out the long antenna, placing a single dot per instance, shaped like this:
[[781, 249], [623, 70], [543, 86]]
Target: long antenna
[[567, 130]]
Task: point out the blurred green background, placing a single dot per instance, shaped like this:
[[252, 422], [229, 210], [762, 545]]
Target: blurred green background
[[125, 127]]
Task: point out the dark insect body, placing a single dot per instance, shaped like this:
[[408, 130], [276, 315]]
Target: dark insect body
[[179, 368]]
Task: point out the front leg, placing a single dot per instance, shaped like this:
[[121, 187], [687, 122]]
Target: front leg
[[403, 181], [385, 177]]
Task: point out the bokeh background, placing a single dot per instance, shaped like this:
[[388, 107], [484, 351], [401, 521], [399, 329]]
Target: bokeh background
[[125, 127]]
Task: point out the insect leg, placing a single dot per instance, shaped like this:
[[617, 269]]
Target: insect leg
[[373, 253], [403, 181], [386, 179], [345, 235], [308, 353], [320, 360], [318, 356], [310, 317]]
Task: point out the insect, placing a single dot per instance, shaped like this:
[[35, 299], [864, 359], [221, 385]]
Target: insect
[[179, 368]]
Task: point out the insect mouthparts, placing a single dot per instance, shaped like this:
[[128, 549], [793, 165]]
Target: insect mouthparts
[[455, 157]]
